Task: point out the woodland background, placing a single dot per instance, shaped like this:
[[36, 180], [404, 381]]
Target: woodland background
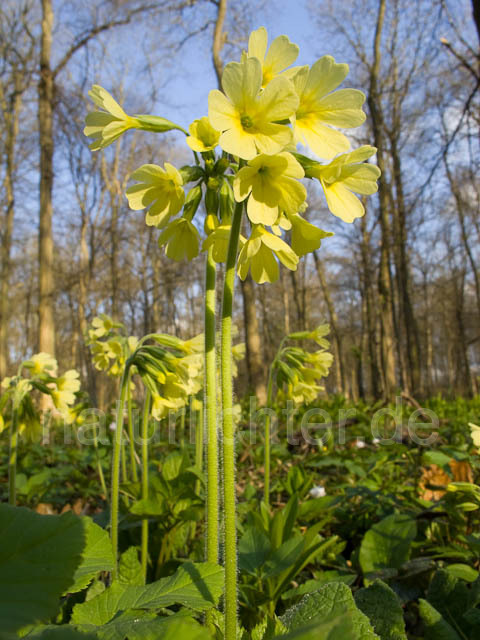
[[399, 287]]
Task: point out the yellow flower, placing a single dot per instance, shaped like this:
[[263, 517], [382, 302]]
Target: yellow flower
[[318, 107], [203, 137], [160, 189], [247, 117], [281, 54], [218, 239], [42, 363], [107, 125], [273, 187], [259, 253], [345, 174], [475, 433], [306, 237], [181, 240], [67, 386]]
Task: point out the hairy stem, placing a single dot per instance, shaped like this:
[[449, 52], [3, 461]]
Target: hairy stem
[[117, 449], [12, 460], [146, 415], [229, 431]]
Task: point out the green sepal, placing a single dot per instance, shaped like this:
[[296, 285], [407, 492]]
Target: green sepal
[[191, 173], [157, 124]]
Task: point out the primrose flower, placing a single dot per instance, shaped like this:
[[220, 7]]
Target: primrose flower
[[281, 54], [42, 363], [247, 117], [181, 240], [160, 189], [306, 237], [273, 186], [318, 107], [258, 254], [203, 137], [67, 386], [218, 239], [107, 125], [345, 174], [475, 433]]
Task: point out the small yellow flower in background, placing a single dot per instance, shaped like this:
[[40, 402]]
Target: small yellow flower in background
[[346, 174], [281, 54], [306, 237], [203, 137], [67, 385], [42, 363], [107, 125], [475, 433], [181, 240], [259, 252], [247, 117], [159, 189], [273, 186], [318, 107]]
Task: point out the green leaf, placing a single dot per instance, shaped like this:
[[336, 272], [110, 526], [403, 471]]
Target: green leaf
[[253, 550], [197, 586], [129, 568], [39, 556], [97, 555], [338, 628], [438, 458], [387, 543], [463, 572], [332, 600], [451, 598], [380, 604], [436, 628], [284, 557]]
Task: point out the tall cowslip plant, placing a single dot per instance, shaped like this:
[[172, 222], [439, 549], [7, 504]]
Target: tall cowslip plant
[[38, 373], [265, 110], [297, 371]]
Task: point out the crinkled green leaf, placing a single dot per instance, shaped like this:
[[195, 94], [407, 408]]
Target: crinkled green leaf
[[436, 627], [129, 567], [387, 543], [380, 604], [197, 586], [333, 600], [39, 556], [97, 555]]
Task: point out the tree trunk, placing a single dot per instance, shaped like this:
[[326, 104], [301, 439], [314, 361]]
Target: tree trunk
[[11, 110], [46, 324], [384, 277], [337, 338]]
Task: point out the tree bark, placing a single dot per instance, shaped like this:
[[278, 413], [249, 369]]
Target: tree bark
[[384, 276], [46, 325]]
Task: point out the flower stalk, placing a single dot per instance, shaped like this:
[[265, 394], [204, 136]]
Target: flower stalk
[[144, 543], [230, 552]]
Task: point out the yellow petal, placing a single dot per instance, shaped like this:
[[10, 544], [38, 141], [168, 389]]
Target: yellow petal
[[257, 44], [281, 54], [325, 76], [342, 202], [239, 143], [278, 100], [221, 112], [342, 108], [322, 140]]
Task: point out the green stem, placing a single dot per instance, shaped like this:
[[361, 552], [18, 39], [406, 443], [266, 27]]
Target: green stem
[[266, 495], [199, 445], [117, 448], [146, 415], [211, 409], [99, 465], [182, 427], [228, 431], [12, 461], [131, 435], [267, 452]]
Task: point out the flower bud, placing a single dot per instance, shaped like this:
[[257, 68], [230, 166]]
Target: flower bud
[[211, 201], [193, 199], [191, 174]]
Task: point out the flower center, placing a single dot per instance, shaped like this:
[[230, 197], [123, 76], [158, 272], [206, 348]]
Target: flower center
[[246, 122]]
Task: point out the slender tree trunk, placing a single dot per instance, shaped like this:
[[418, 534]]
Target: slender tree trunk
[[337, 338], [384, 277], [11, 109], [46, 324]]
